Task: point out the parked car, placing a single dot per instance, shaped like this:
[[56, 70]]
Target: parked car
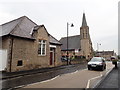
[[64, 58], [97, 63]]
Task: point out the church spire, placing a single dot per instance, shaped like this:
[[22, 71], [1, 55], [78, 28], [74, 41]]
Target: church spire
[[84, 23]]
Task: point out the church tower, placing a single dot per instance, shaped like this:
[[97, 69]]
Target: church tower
[[86, 45]]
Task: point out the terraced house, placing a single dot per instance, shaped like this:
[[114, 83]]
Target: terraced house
[[26, 46]]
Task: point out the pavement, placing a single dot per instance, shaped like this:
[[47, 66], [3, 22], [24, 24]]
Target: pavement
[[111, 81]]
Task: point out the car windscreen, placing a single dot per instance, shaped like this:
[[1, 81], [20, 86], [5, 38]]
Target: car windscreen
[[96, 59]]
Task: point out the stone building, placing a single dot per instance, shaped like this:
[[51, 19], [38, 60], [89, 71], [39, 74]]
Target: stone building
[[28, 46], [106, 54], [78, 45]]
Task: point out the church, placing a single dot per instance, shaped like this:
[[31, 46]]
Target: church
[[78, 45]]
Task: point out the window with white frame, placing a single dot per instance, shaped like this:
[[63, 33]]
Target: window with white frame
[[42, 47]]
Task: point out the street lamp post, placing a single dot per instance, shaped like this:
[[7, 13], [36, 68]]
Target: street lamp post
[[68, 41], [98, 48]]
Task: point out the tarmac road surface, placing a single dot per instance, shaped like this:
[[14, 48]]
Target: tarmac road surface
[[14, 80], [112, 80], [78, 79]]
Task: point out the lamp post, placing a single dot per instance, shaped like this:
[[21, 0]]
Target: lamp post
[[68, 41], [98, 48]]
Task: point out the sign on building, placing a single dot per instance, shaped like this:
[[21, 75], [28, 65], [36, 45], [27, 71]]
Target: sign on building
[[76, 50]]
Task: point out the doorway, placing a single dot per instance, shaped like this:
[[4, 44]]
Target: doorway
[[52, 56]]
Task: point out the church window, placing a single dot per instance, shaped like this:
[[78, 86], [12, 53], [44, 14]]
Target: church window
[[83, 35], [86, 35]]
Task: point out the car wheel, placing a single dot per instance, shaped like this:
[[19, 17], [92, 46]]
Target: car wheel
[[105, 67], [102, 68], [89, 68]]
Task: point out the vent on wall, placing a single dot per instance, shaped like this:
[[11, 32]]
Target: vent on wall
[[19, 63]]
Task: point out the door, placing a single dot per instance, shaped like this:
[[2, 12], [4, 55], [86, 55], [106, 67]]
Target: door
[[51, 57]]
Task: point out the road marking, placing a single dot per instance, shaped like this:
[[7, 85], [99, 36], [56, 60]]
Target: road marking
[[17, 87], [44, 81], [73, 72], [55, 77], [88, 84], [37, 82], [50, 79], [104, 75]]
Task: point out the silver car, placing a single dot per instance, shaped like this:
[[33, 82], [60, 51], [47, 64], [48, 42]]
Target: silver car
[[97, 63]]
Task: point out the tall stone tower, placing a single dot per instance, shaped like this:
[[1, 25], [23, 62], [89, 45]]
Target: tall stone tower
[[86, 44]]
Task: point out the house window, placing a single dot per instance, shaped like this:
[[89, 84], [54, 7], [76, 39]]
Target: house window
[[42, 47], [19, 63]]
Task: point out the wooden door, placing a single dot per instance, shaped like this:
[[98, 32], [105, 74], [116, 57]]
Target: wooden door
[[51, 58]]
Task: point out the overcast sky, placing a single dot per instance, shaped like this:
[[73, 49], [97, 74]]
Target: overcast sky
[[101, 16]]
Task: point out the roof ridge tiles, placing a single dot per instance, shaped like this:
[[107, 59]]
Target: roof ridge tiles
[[13, 20]]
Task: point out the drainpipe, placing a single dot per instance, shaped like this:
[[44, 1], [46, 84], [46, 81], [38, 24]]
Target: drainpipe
[[11, 50]]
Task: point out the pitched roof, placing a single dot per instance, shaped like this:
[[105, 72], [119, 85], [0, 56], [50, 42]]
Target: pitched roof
[[84, 23], [73, 42], [20, 27], [23, 27], [54, 40]]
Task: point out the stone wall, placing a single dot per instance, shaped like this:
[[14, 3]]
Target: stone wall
[[77, 61], [58, 56], [23, 50], [26, 51], [6, 46], [42, 35]]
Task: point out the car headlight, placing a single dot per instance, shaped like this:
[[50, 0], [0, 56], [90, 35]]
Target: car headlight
[[89, 63]]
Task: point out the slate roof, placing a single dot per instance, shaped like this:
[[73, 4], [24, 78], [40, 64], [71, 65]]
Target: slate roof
[[54, 40], [23, 27], [20, 27], [73, 42]]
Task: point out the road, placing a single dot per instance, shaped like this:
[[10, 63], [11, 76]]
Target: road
[[78, 79], [42, 75]]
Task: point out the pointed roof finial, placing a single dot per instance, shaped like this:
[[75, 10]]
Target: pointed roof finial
[[84, 23]]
